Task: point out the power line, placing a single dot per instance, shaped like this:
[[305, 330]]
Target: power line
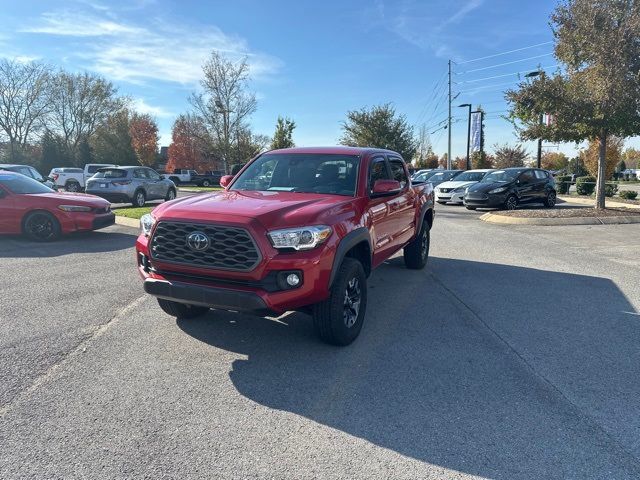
[[503, 64], [505, 75], [437, 87], [504, 53]]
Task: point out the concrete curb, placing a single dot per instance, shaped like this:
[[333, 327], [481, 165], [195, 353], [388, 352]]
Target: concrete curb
[[127, 222], [505, 220], [592, 202]]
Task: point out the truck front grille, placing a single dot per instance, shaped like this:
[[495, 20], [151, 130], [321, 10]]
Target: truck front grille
[[222, 247]]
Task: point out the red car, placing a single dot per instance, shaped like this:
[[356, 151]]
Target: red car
[[33, 209], [296, 229]]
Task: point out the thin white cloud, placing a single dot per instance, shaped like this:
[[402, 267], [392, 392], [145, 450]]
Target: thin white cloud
[[417, 23], [160, 50], [139, 105]]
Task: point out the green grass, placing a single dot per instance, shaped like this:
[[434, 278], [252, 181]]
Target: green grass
[[132, 212], [187, 188]]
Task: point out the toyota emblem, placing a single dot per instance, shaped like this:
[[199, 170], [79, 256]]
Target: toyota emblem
[[198, 241]]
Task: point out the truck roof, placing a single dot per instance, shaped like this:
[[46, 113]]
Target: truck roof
[[338, 150]]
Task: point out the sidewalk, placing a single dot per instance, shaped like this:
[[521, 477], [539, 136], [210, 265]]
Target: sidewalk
[[591, 202]]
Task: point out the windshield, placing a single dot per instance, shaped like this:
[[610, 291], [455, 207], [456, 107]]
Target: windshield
[[304, 173], [421, 177], [442, 176], [500, 176], [470, 176], [20, 184], [111, 173]]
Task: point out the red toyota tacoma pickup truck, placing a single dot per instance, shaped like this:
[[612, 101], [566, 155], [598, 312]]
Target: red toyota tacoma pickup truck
[[296, 229]]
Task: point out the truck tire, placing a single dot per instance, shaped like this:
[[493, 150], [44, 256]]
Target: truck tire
[[181, 310], [339, 319], [41, 226], [206, 183], [175, 180], [72, 186], [416, 253]]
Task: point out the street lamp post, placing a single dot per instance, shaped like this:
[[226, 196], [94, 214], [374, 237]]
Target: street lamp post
[[539, 156], [468, 105]]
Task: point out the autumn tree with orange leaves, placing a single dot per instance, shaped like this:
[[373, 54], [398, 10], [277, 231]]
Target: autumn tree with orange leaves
[[144, 138], [188, 148]]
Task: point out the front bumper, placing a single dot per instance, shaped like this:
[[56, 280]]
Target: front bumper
[[191, 294], [258, 290], [451, 197], [484, 200]]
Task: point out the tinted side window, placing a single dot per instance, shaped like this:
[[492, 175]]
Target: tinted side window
[[140, 173], [24, 171], [378, 171], [35, 174], [152, 174], [541, 175], [527, 177], [397, 171]]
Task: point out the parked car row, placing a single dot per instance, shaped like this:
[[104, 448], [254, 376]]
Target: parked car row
[[490, 188], [206, 179]]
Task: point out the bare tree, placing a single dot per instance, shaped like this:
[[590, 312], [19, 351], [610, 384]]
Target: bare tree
[[24, 101], [80, 104], [225, 104]]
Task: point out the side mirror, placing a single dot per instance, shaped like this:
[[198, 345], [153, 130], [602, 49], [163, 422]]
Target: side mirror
[[385, 187], [225, 180]]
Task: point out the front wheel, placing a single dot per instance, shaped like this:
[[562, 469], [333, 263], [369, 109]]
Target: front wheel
[[139, 199], [511, 203], [206, 183], [416, 253], [550, 199], [470, 208], [181, 310], [339, 319], [171, 194], [41, 227]]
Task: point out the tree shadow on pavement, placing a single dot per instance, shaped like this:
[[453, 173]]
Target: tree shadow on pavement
[[86, 242], [433, 377]]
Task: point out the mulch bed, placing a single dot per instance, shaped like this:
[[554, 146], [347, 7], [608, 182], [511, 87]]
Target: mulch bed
[[571, 213]]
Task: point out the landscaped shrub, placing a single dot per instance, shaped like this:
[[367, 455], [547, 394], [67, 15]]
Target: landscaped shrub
[[562, 184], [585, 185], [610, 189], [628, 194]]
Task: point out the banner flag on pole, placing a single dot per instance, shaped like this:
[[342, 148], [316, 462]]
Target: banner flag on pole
[[476, 131]]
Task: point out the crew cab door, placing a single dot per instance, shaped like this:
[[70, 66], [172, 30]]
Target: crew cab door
[[402, 207]]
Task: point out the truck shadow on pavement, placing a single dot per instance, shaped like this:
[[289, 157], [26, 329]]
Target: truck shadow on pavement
[[85, 242], [492, 370]]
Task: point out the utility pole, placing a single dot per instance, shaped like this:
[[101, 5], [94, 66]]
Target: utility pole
[[449, 123]]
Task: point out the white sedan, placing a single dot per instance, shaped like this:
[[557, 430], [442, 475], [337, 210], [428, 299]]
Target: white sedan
[[453, 190]]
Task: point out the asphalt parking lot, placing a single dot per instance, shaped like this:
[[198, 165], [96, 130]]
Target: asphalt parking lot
[[513, 355]]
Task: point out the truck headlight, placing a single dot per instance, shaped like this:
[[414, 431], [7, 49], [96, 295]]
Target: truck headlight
[[147, 221], [499, 190], [74, 208], [302, 238]]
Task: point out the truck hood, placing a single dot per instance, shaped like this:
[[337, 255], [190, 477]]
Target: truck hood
[[271, 209]]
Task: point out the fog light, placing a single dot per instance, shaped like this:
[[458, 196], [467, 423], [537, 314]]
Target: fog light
[[293, 279]]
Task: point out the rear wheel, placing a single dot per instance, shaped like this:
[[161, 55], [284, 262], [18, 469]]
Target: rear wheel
[[175, 180], [511, 203], [171, 194], [72, 187], [206, 183], [41, 227], [181, 310], [139, 199], [550, 199], [416, 253], [339, 319], [470, 208]]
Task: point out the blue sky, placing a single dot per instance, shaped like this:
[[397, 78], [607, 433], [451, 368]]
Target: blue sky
[[312, 61]]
